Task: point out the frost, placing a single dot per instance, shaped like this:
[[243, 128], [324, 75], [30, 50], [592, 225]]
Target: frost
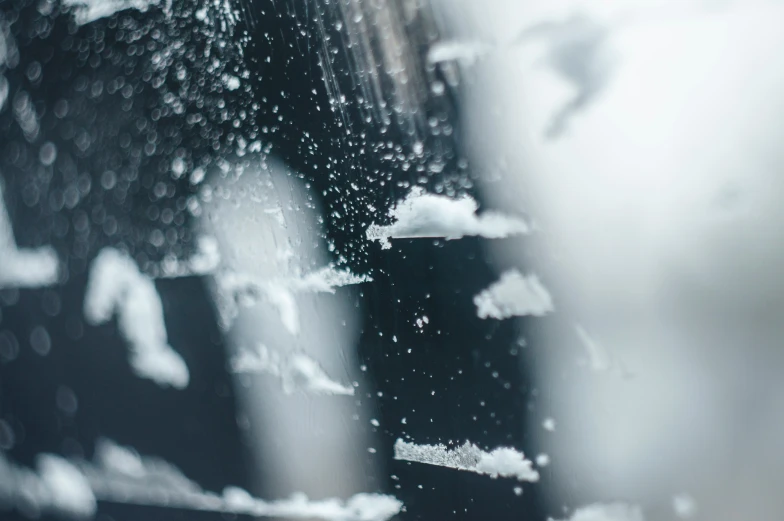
[[117, 286], [503, 461], [297, 371], [205, 261], [280, 292], [422, 214], [598, 357], [120, 475], [86, 11], [450, 50], [23, 267], [57, 486], [608, 512], [514, 294], [684, 506]]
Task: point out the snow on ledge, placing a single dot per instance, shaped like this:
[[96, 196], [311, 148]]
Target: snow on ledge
[[116, 285], [423, 215], [121, 475], [514, 294], [297, 371], [503, 461]]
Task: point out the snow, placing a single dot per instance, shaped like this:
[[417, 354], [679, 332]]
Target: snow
[[120, 475], [280, 292], [117, 286], [514, 294], [231, 82], [422, 215], [86, 11], [56, 486], [608, 512], [25, 267], [297, 371], [450, 50], [68, 488], [503, 461]]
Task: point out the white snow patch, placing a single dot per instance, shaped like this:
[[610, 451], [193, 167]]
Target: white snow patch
[[503, 461], [607, 512], [543, 460], [117, 286], [23, 268], [455, 50], [86, 11], [422, 215], [69, 490], [297, 371], [238, 288], [684, 505], [56, 487], [120, 475], [548, 424], [514, 294]]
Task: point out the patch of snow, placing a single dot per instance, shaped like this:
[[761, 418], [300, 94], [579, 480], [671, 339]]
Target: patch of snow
[[514, 294], [69, 490], [548, 424], [86, 11], [607, 512], [117, 286], [297, 371], [422, 215], [503, 461], [56, 487], [454, 50], [120, 475], [23, 267], [238, 288], [542, 460]]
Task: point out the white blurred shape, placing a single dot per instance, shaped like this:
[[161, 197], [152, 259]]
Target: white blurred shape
[[514, 294], [503, 461], [684, 505], [421, 215], [86, 11], [69, 490], [297, 371], [117, 286], [23, 267]]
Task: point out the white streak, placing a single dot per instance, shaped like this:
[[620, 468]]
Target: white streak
[[503, 461], [608, 512], [86, 11], [297, 371], [422, 215], [598, 357], [23, 268], [238, 288], [121, 475], [453, 50], [116, 286], [514, 294]]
